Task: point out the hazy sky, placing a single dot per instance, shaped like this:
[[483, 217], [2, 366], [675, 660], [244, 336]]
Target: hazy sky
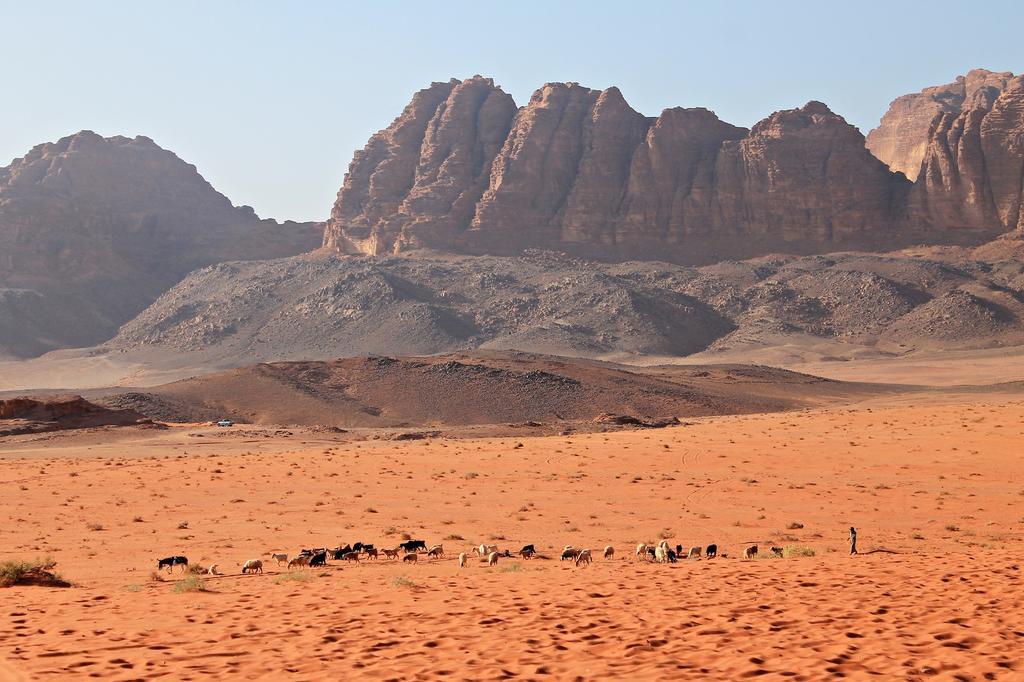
[[269, 99]]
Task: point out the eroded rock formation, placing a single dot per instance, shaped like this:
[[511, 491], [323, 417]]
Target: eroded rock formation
[[579, 170], [902, 137]]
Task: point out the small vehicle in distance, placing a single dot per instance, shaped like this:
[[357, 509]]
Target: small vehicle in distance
[[225, 422]]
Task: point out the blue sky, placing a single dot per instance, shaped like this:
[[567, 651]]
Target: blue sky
[[269, 99]]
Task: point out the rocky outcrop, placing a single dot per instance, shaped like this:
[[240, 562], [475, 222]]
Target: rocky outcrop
[[902, 137], [93, 229], [24, 415], [972, 175], [580, 171], [417, 182]]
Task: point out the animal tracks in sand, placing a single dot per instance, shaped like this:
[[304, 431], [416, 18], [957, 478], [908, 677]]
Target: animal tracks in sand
[[945, 607]]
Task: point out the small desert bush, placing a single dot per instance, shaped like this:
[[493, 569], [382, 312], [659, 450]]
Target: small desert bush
[[196, 569], [952, 527], [156, 576], [94, 526], [511, 568], [454, 536], [794, 525], [190, 583], [402, 581], [38, 572], [183, 525], [137, 519], [666, 534], [792, 551]]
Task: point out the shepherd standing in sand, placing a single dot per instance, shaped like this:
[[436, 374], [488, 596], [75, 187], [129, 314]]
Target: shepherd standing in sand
[[853, 540]]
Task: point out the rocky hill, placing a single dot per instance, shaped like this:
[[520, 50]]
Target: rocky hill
[[56, 413], [325, 307], [464, 170], [93, 229], [479, 388]]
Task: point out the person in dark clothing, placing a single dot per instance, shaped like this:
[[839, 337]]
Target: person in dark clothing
[[853, 540]]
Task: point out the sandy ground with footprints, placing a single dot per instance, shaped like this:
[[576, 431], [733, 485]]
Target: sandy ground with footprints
[[938, 483]]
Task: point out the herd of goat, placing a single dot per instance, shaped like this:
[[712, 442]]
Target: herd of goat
[[410, 550]]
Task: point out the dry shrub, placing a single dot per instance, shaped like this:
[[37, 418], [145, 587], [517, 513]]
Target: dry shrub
[[190, 583], [38, 572]]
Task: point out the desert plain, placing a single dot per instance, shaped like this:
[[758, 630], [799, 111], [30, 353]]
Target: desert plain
[[931, 480]]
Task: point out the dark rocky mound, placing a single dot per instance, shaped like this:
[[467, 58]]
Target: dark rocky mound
[[37, 415], [483, 387]]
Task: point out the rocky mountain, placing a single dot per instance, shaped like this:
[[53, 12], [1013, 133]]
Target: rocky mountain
[[315, 308], [93, 229], [463, 170], [902, 138]]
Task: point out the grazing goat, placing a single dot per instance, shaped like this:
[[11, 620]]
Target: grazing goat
[[750, 552], [172, 561], [641, 550], [435, 551], [318, 559], [351, 556], [777, 551], [411, 557], [569, 553], [338, 553], [279, 558], [462, 560], [492, 559], [252, 566], [694, 553], [527, 551], [300, 561], [660, 555], [608, 552], [711, 552], [371, 553], [212, 570], [671, 556], [484, 550], [584, 557], [390, 553], [651, 553], [679, 549]]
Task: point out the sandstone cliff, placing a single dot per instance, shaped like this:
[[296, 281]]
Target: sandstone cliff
[[93, 229], [972, 173], [903, 135], [579, 170]]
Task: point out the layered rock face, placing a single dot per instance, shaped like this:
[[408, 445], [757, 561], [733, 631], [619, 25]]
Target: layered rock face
[[972, 173], [93, 229], [902, 137], [578, 170], [418, 181]]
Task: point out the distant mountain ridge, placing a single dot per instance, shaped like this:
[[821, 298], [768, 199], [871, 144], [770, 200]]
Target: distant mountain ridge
[[94, 230], [464, 170]]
